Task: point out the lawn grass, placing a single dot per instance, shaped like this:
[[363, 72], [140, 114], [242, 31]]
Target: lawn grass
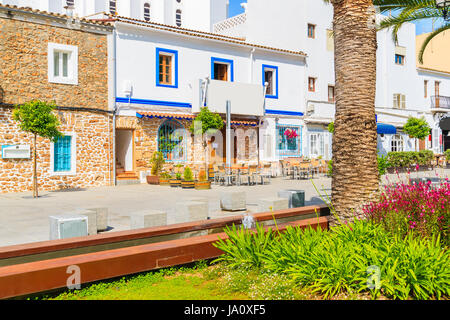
[[199, 282]]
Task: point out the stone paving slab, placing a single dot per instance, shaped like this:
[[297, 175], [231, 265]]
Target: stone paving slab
[[24, 219]]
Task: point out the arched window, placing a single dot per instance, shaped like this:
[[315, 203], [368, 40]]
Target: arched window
[[113, 6], [178, 18], [171, 140], [397, 144], [147, 11]]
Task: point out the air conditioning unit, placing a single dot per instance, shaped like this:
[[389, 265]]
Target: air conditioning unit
[[68, 226], [310, 109], [16, 152]]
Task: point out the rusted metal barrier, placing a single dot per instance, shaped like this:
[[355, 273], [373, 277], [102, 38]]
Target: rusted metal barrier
[[25, 253], [41, 276]]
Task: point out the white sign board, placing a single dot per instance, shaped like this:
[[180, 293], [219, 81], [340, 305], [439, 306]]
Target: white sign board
[[246, 99], [16, 152]]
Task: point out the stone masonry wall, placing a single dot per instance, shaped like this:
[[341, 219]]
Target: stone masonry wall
[[24, 77]]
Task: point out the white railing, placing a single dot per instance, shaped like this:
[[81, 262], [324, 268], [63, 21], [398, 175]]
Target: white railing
[[230, 23]]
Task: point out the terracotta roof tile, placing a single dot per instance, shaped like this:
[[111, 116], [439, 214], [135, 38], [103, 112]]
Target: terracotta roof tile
[[200, 34]]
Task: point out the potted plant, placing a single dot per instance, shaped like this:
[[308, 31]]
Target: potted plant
[[156, 162], [175, 181], [164, 179], [188, 181], [203, 183]]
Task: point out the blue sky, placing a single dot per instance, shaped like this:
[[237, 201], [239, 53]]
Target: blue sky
[[235, 8]]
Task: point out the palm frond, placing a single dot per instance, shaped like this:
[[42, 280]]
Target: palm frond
[[429, 38]]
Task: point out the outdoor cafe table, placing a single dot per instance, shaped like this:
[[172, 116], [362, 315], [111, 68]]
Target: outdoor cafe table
[[238, 169]]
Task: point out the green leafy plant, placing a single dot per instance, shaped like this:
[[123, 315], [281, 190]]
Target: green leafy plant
[[188, 176], [37, 118], [165, 175], [409, 158], [157, 161], [417, 128], [178, 176], [383, 164], [330, 168], [206, 122], [447, 155], [331, 127]]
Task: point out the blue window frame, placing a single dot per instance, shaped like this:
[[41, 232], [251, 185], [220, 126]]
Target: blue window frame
[[288, 147], [174, 65], [399, 59], [230, 64], [270, 75], [171, 141], [62, 154]]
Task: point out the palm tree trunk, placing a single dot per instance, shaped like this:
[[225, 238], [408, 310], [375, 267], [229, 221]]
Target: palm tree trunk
[[35, 184], [355, 171]]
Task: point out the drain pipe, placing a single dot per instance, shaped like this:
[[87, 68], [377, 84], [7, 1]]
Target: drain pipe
[[115, 103]]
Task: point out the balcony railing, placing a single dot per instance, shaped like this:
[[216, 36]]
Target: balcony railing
[[440, 102]]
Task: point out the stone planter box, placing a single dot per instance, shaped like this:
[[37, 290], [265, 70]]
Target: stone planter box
[[153, 180], [203, 185], [187, 184], [233, 201]]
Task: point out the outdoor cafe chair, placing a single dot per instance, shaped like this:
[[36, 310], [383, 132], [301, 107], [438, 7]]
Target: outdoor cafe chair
[[266, 172]]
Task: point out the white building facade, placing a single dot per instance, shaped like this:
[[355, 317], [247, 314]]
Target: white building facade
[[287, 44]]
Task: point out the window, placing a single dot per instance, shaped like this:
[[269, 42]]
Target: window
[[167, 68], [425, 88], [112, 7], [178, 18], [331, 96], [311, 31], [289, 140], [270, 76], [63, 155], [399, 59], [62, 64], [437, 93], [171, 141], [311, 84], [399, 101], [147, 12], [316, 145], [222, 69], [397, 143], [330, 40]]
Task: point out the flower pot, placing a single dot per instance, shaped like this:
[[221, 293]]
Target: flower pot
[[202, 185], [164, 182], [187, 184], [152, 179], [174, 183]]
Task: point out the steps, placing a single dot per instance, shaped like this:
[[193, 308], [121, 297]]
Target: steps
[[125, 177]]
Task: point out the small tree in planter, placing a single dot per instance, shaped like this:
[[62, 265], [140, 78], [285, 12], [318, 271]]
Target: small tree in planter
[[203, 183], [175, 181], [37, 118], [157, 161], [210, 122], [417, 129], [188, 182], [447, 157]]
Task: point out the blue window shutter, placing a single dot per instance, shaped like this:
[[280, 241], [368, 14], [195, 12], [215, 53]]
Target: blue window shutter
[[62, 154]]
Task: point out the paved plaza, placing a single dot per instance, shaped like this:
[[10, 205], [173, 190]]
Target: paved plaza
[[24, 219]]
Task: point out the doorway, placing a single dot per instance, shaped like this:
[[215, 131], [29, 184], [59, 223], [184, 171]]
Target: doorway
[[124, 151]]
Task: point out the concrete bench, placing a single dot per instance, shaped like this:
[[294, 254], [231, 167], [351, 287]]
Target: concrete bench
[[296, 197], [148, 219], [273, 204], [233, 201], [192, 211], [68, 226]]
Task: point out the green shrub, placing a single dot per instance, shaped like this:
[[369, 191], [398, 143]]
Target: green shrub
[[447, 155], [188, 176], [157, 162], [410, 158], [337, 261], [330, 168], [383, 164]]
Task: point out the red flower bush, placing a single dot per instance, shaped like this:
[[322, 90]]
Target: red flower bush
[[420, 208], [291, 134]]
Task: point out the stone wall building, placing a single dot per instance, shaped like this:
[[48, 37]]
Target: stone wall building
[[53, 58]]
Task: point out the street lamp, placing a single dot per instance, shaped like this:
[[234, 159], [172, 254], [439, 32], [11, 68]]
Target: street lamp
[[444, 5]]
